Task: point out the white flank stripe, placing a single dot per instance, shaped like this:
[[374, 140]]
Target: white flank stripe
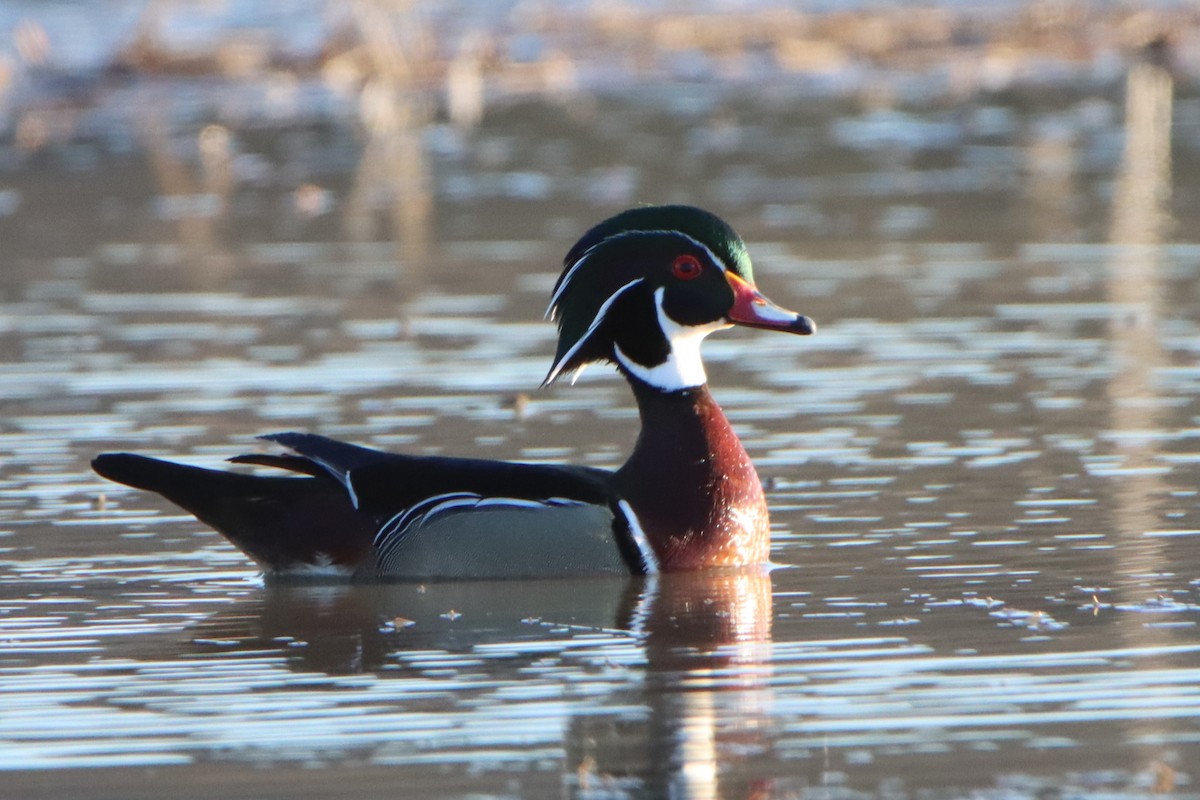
[[389, 527], [558, 365], [405, 517], [508, 502], [649, 560], [469, 501], [393, 531]]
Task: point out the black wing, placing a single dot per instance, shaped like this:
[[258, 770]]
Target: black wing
[[381, 482]]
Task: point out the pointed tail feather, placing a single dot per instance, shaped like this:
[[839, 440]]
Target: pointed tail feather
[[284, 524]]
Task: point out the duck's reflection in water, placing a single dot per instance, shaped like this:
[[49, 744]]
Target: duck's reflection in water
[[682, 661], [707, 640]]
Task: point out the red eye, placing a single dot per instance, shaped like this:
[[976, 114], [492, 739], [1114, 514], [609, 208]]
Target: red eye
[[686, 267]]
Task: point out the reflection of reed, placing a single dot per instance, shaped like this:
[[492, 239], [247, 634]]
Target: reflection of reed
[[393, 169], [1050, 161], [1143, 191], [195, 203], [1140, 220]]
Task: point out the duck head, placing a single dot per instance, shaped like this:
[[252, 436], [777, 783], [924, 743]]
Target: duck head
[[642, 290]]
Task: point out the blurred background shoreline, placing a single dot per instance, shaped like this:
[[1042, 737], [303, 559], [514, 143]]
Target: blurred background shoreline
[[245, 118], [943, 51]]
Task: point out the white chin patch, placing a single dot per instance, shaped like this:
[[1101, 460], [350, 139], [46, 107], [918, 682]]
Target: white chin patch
[[683, 368]]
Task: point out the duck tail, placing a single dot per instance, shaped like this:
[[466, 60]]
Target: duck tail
[[288, 525]]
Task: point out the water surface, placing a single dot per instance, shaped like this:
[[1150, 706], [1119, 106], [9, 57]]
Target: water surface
[[982, 471]]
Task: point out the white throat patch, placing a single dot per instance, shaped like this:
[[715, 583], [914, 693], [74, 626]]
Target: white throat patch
[[683, 368]]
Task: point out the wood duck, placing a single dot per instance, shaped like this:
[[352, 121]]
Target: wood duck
[[639, 290]]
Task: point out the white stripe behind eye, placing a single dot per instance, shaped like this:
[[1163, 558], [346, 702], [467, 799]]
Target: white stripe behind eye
[[562, 284], [570, 273], [599, 318]]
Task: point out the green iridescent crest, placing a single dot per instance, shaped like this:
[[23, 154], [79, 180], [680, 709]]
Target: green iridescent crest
[[612, 266]]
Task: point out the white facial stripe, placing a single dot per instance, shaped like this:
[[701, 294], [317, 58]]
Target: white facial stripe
[[566, 279], [558, 365], [720, 262], [683, 368], [649, 560]]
